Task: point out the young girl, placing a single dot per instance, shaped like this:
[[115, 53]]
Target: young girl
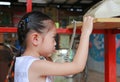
[[36, 32]]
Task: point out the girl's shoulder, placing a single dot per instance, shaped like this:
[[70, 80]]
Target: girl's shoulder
[[26, 59]]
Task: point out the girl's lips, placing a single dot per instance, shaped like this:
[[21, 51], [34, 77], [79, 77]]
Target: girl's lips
[[54, 50]]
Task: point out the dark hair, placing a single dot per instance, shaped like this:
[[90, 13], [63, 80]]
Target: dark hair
[[31, 21]]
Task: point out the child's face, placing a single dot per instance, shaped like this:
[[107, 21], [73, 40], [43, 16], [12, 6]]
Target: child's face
[[48, 45]]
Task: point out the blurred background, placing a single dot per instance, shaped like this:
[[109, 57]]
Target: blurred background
[[63, 13]]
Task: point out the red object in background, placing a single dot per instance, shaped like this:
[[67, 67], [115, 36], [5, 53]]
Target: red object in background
[[16, 17], [8, 29], [29, 5], [110, 56]]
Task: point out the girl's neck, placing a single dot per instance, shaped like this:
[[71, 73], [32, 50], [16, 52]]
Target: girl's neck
[[29, 53]]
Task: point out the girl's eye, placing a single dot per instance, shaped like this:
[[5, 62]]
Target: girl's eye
[[54, 36]]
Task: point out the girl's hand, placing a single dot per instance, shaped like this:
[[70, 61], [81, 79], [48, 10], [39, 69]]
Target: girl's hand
[[87, 25]]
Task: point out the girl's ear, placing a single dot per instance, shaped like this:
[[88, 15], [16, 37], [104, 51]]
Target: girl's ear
[[36, 39]]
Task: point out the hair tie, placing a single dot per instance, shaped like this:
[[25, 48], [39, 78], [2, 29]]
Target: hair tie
[[27, 20]]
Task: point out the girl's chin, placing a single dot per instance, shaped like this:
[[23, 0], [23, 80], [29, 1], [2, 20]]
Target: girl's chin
[[50, 53], [54, 50]]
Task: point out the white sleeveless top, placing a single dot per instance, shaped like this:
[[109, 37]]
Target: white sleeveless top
[[22, 65]]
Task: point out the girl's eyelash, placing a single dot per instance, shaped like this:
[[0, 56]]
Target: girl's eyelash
[[54, 36]]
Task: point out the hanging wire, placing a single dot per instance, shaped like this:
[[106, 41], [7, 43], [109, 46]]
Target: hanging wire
[[68, 58]]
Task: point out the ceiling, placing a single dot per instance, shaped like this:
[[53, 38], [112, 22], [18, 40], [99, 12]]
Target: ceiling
[[73, 5]]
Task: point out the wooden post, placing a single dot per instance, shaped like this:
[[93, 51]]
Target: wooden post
[[110, 56]]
